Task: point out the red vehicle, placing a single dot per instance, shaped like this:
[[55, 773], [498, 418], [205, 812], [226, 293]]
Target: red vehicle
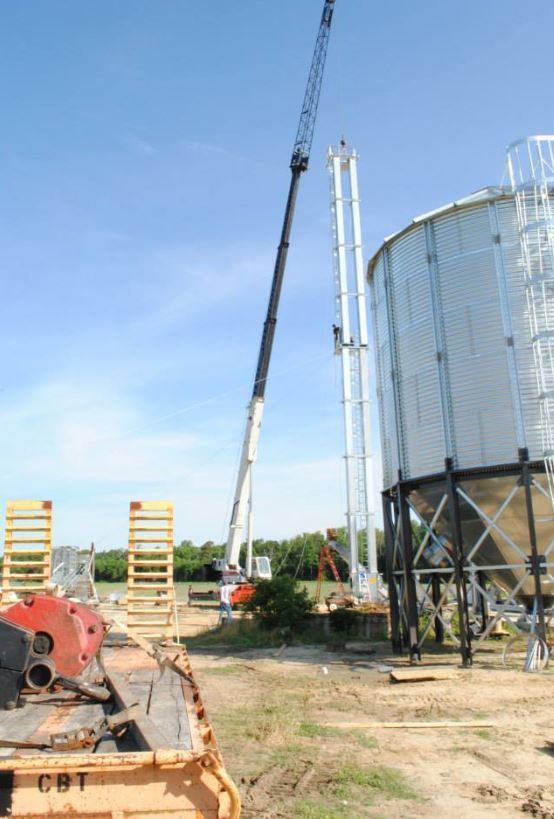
[[242, 593]]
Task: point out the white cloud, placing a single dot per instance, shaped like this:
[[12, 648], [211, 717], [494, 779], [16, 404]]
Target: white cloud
[[188, 280], [91, 447], [81, 432], [207, 148], [199, 147], [140, 146]]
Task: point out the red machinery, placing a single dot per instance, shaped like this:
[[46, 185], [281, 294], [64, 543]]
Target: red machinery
[[43, 640], [340, 598], [325, 555], [242, 593]]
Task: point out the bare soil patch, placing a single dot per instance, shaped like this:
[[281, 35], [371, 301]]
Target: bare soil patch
[[275, 718]]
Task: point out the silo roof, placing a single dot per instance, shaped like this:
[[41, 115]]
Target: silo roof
[[487, 194]]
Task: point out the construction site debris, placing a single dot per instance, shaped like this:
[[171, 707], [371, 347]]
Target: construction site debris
[[408, 725], [429, 674], [359, 648]]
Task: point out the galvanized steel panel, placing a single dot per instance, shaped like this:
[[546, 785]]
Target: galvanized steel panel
[[385, 396], [417, 375], [513, 263], [472, 385]]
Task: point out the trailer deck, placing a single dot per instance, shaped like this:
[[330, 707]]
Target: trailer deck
[[165, 764]]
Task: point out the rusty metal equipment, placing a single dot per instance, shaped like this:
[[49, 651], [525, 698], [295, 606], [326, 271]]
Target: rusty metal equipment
[[326, 556], [149, 752], [46, 640], [70, 633], [341, 598]]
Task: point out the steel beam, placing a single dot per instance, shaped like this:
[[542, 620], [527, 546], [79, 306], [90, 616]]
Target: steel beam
[[461, 589]]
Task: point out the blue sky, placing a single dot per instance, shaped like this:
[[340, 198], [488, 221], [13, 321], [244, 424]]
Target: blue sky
[[144, 166]]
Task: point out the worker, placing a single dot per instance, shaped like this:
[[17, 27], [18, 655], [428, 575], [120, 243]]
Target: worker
[[225, 602], [336, 335]]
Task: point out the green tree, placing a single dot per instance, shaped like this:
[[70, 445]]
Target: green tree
[[111, 566], [279, 603], [297, 557]]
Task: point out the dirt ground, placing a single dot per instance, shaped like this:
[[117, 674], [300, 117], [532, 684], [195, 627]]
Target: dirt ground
[[277, 716]]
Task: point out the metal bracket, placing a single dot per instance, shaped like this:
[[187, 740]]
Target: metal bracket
[[536, 564], [90, 735]]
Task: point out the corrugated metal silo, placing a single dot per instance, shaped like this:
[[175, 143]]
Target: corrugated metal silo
[[455, 366], [461, 403]]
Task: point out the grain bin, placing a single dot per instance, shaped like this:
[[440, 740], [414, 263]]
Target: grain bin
[[463, 399]]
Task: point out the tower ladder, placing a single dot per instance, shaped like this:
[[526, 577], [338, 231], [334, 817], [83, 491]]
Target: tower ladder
[[530, 164], [351, 344]]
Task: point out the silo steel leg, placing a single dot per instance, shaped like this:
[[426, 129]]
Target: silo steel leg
[[396, 638], [436, 596], [482, 604], [535, 566], [409, 580], [461, 590]]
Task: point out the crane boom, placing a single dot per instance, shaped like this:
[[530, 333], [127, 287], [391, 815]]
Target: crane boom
[[298, 164]]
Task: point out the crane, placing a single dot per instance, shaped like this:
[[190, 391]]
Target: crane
[[260, 566]]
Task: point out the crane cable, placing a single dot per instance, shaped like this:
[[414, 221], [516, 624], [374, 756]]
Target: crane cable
[[301, 559]]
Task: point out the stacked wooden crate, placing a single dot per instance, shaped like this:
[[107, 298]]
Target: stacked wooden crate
[[150, 590], [27, 563]]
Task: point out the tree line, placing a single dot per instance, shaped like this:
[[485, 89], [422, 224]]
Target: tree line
[[296, 557]]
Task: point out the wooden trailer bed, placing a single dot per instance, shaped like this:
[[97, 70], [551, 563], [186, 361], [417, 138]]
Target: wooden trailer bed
[[165, 764]]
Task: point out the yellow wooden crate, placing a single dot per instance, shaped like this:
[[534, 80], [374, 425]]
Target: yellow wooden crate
[[150, 590], [27, 564]]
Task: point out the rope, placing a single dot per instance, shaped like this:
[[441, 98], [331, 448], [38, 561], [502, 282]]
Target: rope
[[301, 560], [283, 561]]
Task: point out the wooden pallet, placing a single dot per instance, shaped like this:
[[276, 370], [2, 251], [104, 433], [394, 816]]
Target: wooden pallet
[[27, 564], [150, 590]]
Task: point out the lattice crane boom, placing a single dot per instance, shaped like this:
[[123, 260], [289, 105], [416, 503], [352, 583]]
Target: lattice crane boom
[[298, 164], [304, 135]]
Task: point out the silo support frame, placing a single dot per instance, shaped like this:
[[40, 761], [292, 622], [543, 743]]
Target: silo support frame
[[500, 610], [438, 598], [411, 589], [530, 564], [401, 580], [406, 541], [459, 560], [418, 586], [434, 584], [527, 479], [433, 591], [481, 600], [394, 596]]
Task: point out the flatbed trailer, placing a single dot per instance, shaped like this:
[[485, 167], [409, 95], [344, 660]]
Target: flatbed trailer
[[242, 593], [165, 764], [202, 596]]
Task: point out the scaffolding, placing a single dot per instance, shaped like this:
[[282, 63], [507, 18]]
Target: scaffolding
[[530, 167], [27, 562], [150, 589], [73, 572], [351, 344]]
